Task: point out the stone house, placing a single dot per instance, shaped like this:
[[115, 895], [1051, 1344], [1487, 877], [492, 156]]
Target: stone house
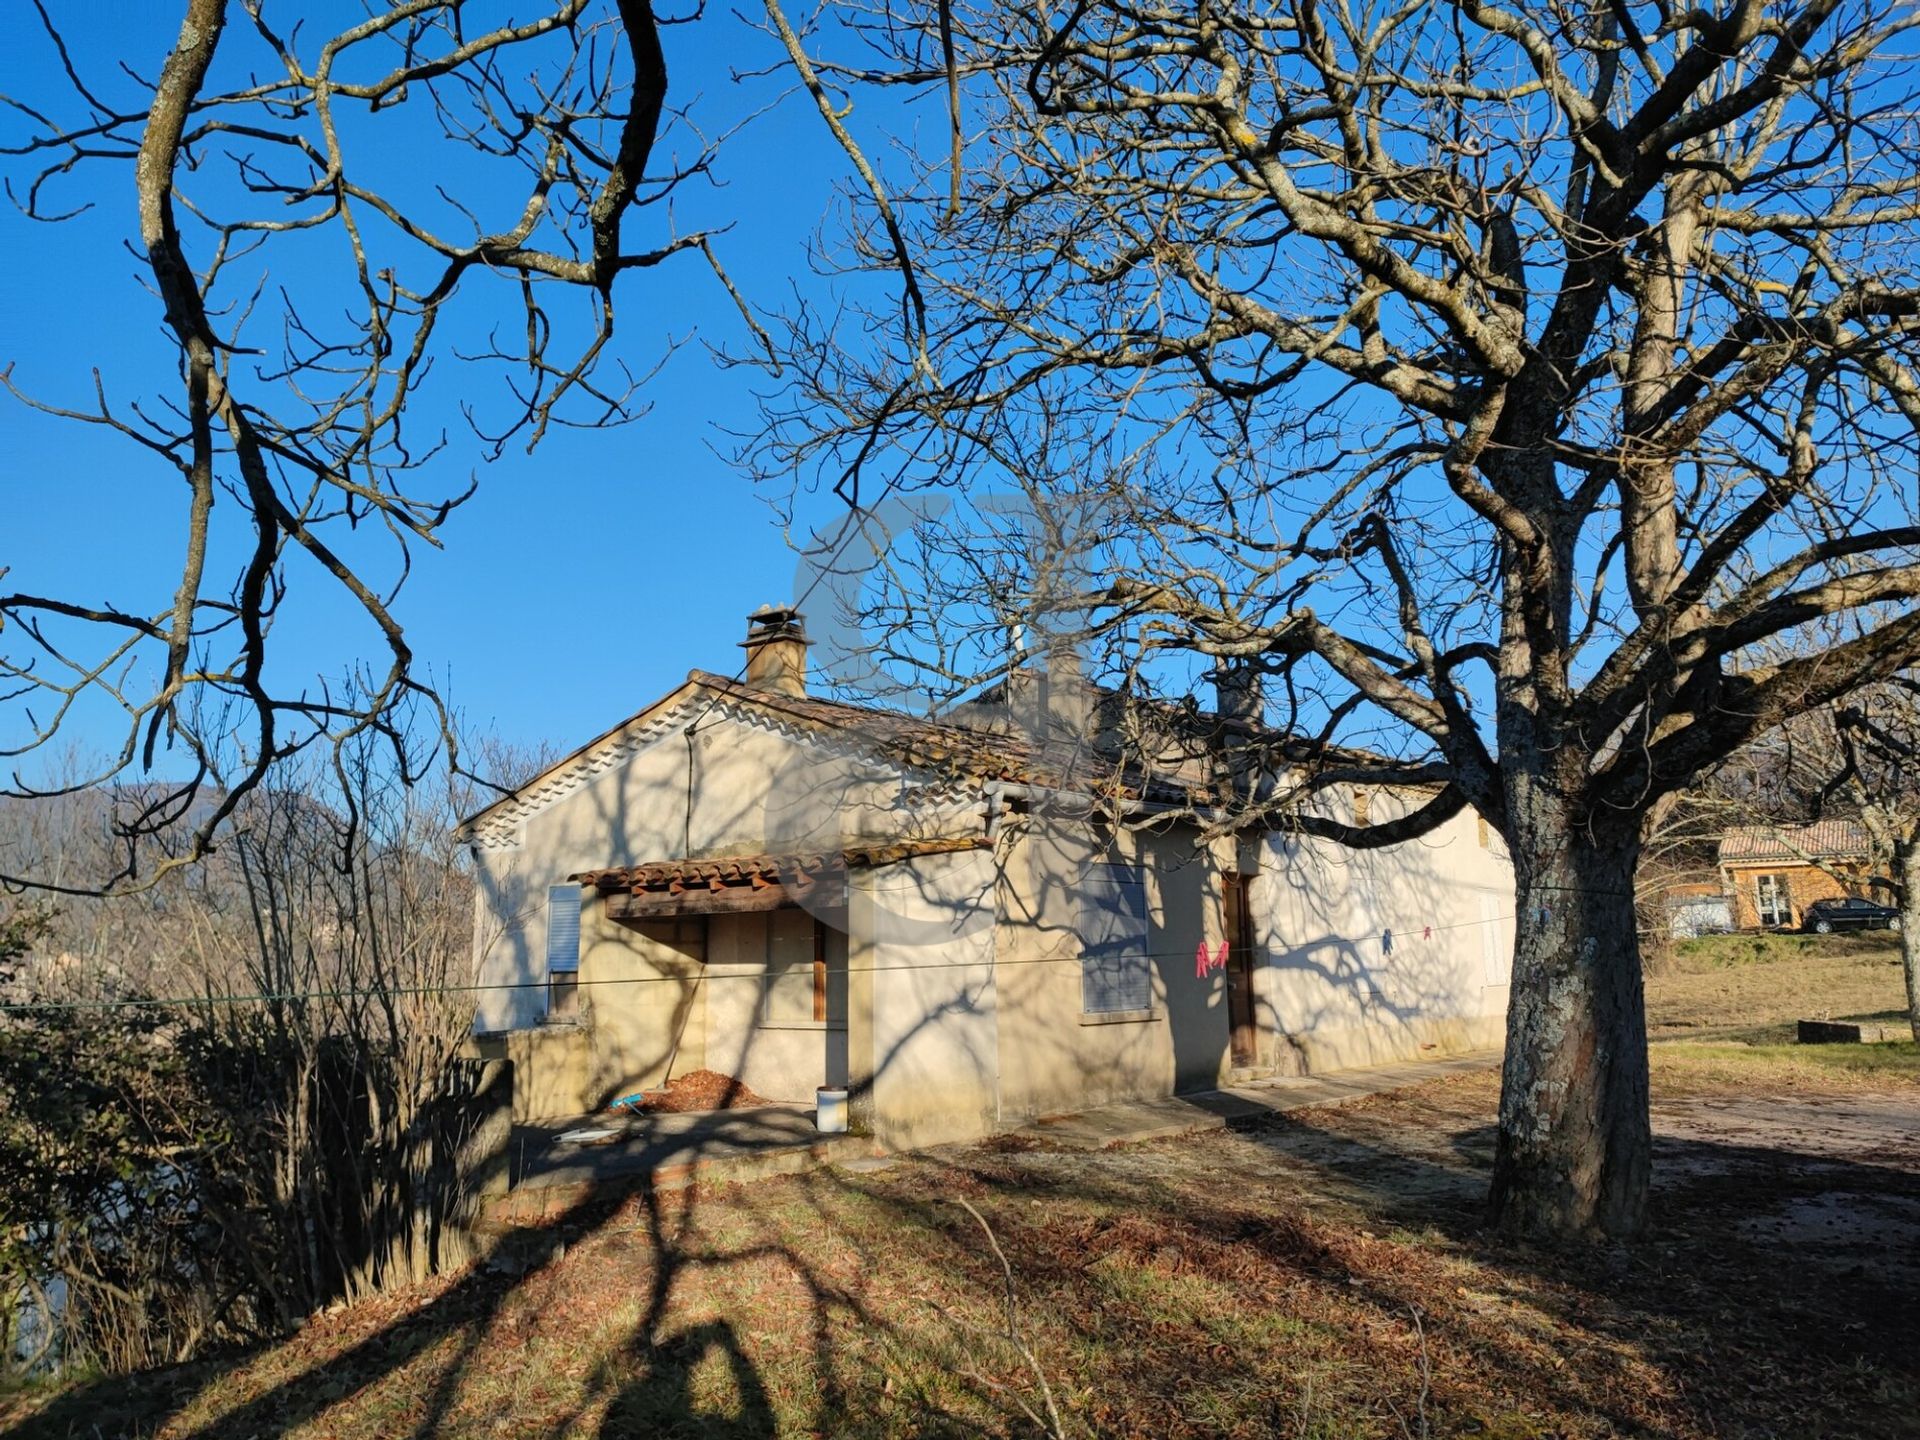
[[1773, 872], [966, 920]]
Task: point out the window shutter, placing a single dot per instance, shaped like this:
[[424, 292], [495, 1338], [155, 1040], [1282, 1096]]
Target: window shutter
[[1115, 971], [1497, 958], [563, 927]]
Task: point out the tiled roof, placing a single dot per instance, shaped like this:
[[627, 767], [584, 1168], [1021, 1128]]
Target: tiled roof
[[1822, 840], [955, 749], [760, 871], [950, 749]]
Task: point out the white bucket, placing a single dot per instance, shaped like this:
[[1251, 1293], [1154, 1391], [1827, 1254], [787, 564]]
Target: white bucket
[[830, 1113]]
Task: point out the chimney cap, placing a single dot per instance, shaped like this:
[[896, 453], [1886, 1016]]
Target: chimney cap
[[775, 622]]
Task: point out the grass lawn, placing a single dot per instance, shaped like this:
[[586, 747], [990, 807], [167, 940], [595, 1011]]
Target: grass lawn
[[1753, 987], [1321, 1275]]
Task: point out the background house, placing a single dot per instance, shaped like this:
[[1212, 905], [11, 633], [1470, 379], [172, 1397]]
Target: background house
[[1773, 872], [968, 920]]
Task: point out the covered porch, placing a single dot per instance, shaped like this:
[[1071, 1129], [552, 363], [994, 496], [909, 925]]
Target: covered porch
[[758, 967]]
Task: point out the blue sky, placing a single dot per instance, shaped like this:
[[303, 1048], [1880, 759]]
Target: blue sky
[[581, 581]]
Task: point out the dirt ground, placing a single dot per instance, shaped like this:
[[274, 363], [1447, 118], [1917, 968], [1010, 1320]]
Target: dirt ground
[[1846, 1228], [1319, 1275]]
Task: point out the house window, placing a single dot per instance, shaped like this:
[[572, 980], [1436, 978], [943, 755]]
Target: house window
[[1362, 806], [1496, 956], [1772, 900], [806, 980], [1115, 973], [563, 995], [563, 952]]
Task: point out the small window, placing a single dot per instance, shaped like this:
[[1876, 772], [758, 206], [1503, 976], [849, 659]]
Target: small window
[[1486, 833], [563, 952], [563, 927], [1115, 973], [1362, 806], [806, 979]]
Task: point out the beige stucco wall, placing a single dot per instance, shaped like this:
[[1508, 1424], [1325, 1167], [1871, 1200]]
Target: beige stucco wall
[[643, 1002], [549, 1067], [1330, 988], [752, 790], [964, 1002], [647, 1002], [642, 1009], [1372, 955], [782, 1061], [1053, 1056], [926, 1014]]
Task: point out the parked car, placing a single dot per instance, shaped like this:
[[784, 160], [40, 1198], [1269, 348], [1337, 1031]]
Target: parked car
[[1823, 917]]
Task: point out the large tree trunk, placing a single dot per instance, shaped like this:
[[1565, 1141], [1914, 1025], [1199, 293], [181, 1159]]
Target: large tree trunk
[[1906, 870], [1575, 1141]]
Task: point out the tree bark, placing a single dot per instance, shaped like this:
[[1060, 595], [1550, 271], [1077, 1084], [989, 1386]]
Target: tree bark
[[1575, 1143], [1906, 869]]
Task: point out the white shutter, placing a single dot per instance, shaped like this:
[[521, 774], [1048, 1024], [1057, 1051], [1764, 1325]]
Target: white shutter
[[1494, 950], [1115, 972], [563, 927]]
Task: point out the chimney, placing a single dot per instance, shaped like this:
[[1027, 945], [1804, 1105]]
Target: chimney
[[776, 647], [1069, 699], [1238, 698], [1241, 706]]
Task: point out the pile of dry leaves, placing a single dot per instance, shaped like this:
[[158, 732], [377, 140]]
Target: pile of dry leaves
[[700, 1090]]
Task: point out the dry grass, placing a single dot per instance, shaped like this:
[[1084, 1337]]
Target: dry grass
[[1684, 1067], [1323, 1275], [1753, 987]]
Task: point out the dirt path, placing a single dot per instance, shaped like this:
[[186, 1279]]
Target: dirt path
[[1838, 1178], [1879, 1130]]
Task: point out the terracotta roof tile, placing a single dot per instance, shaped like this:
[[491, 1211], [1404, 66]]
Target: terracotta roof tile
[[957, 750], [758, 871], [1822, 840]]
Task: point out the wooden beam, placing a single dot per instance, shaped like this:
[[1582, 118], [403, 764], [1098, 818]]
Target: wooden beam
[[667, 905], [732, 900]]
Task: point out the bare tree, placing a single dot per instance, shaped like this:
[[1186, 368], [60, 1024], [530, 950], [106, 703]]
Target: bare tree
[[1503, 372], [1878, 739], [287, 1121], [310, 209]]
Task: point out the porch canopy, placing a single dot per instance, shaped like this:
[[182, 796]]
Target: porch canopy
[[747, 884]]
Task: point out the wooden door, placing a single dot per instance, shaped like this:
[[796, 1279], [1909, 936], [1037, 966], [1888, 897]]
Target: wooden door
[[1239, 936]]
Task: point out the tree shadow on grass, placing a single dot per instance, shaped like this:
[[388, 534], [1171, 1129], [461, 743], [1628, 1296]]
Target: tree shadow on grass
[[671, 1398], [1296, 1217], [1709, 1325], [663, 1373], [462, 1309], [1720, 1292]]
